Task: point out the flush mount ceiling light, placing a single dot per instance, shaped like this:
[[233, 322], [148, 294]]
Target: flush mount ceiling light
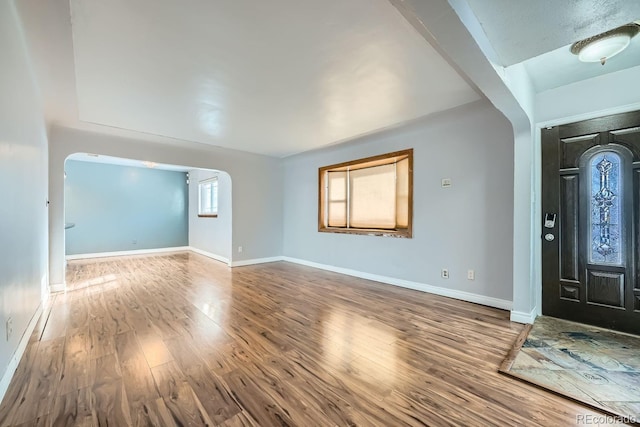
[[604, 46]]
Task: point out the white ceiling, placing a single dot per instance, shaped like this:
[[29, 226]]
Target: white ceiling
[[560, 67], [521, 29], [275, 77], [284, 76], [539, 34]]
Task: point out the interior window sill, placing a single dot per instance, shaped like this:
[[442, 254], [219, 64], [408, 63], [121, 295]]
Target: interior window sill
[[368, 232]]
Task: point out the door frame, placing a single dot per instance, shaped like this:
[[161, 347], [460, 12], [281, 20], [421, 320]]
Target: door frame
[[536, 227]]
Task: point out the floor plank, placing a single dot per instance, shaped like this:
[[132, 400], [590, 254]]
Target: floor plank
[[74, 409], [179, 397], [43, 380], [137, 379], [108, 392]]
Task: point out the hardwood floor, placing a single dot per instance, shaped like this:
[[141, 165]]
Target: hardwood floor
[[183, 340]]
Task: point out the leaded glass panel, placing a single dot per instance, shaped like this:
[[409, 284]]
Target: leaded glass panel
[[605, 220]]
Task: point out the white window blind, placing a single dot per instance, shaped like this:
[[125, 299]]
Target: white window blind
[[373, 197]]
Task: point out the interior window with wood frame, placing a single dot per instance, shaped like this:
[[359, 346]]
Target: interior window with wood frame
[[208, 198], [368, 196]]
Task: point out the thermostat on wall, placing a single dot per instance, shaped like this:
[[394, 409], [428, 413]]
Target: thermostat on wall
[[446, 182]]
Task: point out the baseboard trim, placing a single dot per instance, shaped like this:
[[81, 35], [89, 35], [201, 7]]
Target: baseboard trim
[[519, 317], [57, 287], [126, 253], [22, 346], [451, 293], [209, 255], [254, 261], [524, 317]]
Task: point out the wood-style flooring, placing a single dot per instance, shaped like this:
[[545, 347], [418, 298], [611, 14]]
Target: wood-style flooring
[[183, 340]]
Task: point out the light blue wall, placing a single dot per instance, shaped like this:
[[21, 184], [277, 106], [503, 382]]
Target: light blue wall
[[123, 208]]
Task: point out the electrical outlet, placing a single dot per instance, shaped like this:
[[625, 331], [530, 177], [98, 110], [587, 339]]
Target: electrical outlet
[[445, 273], [471, 275], [9, 328], [239, 248]]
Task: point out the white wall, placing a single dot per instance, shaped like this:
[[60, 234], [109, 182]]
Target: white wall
[[455, 32], [518, 106], [257, 182], [467, 226], [607, 94], [211, 235], [23, 190]]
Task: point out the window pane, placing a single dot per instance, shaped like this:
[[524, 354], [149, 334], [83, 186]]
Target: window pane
[[402, 193], [208, 197], [605, 218], [214, 197], [337, 199], [372, 201], [202, 198]]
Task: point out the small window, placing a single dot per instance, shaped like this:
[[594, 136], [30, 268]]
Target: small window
[[208, 198], [368, 196]]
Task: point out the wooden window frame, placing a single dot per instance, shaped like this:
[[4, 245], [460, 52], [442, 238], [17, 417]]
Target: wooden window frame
[[208, 215], [361, 164]]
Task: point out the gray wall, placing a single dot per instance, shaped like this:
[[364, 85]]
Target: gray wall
[[257, 182], [466, 226], [23, 188], [212, 235], [122, 208]]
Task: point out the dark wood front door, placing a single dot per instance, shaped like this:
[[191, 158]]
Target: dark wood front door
[[591, 252]]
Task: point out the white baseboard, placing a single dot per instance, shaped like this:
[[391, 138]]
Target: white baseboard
[[451, 293], [524, 317], [57, 287], [209, 255], [126, 253], [22, 346], [255, 261]]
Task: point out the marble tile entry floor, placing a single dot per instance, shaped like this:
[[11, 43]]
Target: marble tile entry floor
[[595, 366]]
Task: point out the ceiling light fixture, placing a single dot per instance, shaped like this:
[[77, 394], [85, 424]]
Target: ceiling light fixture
[[150, 164], [604, 46]]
